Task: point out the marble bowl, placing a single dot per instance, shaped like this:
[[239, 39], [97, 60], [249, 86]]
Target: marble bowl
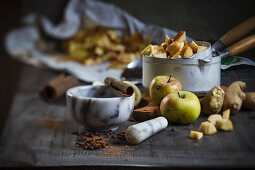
[[99, 108]]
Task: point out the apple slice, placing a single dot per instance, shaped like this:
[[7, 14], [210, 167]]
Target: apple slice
[[201, 48], [150, 50], [186, 51], [175, 48], [180, 36], [194, 46], [160, 55], [168, 40]]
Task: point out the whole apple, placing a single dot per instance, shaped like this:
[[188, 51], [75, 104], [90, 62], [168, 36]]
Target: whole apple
[[180, 107], [163, 85]]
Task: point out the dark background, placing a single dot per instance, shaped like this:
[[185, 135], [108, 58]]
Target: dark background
[[203, 20]]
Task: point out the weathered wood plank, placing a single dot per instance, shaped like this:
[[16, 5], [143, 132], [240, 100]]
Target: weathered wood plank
[[28, 141]]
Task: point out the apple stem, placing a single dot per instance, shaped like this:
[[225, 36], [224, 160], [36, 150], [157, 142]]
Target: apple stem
[[179, 95], [169, 79]]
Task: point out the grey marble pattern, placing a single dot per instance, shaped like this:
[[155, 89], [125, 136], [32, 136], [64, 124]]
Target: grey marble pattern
[[98, 107]]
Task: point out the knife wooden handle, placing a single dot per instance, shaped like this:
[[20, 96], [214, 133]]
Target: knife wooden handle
[[242, 46], [238, 32]]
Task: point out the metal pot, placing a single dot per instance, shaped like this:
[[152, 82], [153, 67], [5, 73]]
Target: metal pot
[[202, 72], [198, 74], [195, 76]]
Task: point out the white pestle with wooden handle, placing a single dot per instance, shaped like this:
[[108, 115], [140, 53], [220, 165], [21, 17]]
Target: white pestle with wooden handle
[[139, 132]]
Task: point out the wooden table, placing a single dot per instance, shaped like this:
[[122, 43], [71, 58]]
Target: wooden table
[[28, 140]]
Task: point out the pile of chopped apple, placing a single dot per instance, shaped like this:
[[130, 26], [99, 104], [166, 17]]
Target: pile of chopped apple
[[178, 47]]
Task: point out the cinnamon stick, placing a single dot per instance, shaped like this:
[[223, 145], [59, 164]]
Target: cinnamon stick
[[118, 86], [57, 87]]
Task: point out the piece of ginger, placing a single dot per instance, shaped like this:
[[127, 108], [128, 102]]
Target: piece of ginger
[[226, 114], [207, 128], [213, 118], [195, 135], [249, 101], [224, 124], [213, 101], [234, 96]]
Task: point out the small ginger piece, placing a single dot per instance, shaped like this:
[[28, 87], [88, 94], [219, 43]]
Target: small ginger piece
[[249, 101], [180, 36], [195, 135], [213, 101], [226, 114], [213, 118], [207, 128], [234, 96], [168, 40], [186, 51], [194, 46], [224, 124], [201, 48]]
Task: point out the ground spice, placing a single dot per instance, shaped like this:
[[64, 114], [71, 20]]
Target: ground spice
[[111, 143], [52, 123], [91, 142]]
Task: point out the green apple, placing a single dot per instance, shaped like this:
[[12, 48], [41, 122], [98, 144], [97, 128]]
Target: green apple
[[163, 85], [180, 107]]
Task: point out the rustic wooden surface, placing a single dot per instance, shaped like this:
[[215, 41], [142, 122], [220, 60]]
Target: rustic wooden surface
[[27, 141]]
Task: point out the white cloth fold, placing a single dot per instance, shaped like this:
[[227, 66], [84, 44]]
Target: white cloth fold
[[21, 43]]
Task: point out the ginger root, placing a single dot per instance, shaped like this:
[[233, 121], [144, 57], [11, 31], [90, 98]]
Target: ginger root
[[234, 96], [213, 101], [249, 101]]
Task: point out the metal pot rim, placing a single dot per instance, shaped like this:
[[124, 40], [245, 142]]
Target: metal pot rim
[[155, 60]]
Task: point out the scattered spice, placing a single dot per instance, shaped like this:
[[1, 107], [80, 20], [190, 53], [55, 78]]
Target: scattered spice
[[52, 123], [111, 143], [91, 142]]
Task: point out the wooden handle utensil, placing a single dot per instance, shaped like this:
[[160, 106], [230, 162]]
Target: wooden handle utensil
[[242, 46]]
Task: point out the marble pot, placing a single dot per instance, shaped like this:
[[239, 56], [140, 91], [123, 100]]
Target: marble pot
[[99, 108]]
